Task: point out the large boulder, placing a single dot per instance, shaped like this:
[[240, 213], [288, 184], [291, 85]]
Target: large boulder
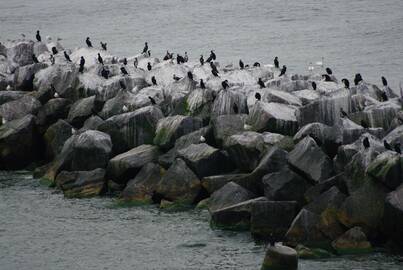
[[308, 159], [19, 108], [215, 182], [274, 117], [392, 221], [7, 96], [245, 149], [20, 54], [225, 100], [80, 111], [395, 136], [18, 143], [24, 76], [55, 137], [280, 257], [132, 129], [179, 184], [169, 129], [52, 111], [387, 168], [81, 184], [227, 125], [354, 241], [125, 166], [228, 195], [141, 189], [203, 159]]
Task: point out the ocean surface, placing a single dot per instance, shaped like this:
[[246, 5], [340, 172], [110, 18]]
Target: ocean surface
[[352, 36], [41, 230]]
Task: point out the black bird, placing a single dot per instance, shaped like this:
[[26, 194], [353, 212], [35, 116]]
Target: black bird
[[149, 53], [145, 50], [235, 108], [276, 63], [387, 145], [261, 83], [213, 67], [38, 36], [258, 96], [224, 84], [149, 67], [326, 77], [167, 56], [135, 62], [384, 81], [343, 113], [176, 78], [35, 59], [81, 69], [100, 60], [122, 85], [202, 86], [201, 60], [124, 71], [213, 95], [384, 97], [125, 61], [365, 142], [215, 72], [152, 100], [256, 64], [364, 124], [314, 85], [153, 80], [180, 59], [283, 70], [67, 56], [54, 50], [88, 41], [346, 83], [397, 148], [103, 45], [105, 73], [212, 56], [357, 78], [190, 75], [329, 71], [241, 64], [82, 61]]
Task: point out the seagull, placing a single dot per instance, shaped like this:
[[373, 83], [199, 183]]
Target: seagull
[[202, 139], [311, 67], [8, 88], [55, 95], [124, 108], [3, 121], [73, 131]]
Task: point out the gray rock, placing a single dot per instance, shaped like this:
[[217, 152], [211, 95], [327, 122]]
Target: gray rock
[[215, 182], [24, 76], [52, 111], [80, 111], [7, 96], [227, 125], [20, 54], [225, 100], [19, 108], [92, 123], [55, 137], [230, 194], [280, 257], [387, 168], [392, 222]]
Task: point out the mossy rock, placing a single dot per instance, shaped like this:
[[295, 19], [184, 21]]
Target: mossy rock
[[312, 253]]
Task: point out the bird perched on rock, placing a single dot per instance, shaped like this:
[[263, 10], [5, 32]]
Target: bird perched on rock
[[105, 73], [201, 60], [135, 62], [190, 75], [149, 67], [343, 114], [54, 50], [387, 145], [56, 95], [103, 45], [283, 71], [88, 42], [67, 56], [276, 62], [124, 71], [365, 142], [186, 57], [214, 72], [202, 86], [241, 64], [122, 85], [125, 61], [212, 56], [314, 86], [82, 61], [153, 80], [152, 100], [176, 78], [258, 96], [225, 84], [256, 64], [202, 139], [73, 131], [326, 78], [235, 108], [179, 59], [125, 109], [52, 59], [100, 60], [384, 81], [357, 79], [261, 83], [329, 71], [346, 83], [145, 49], [35, 59], [38, 36], [397, 148]]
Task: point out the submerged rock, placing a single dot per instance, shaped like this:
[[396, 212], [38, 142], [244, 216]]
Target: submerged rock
[[354, 241], [280, 257]]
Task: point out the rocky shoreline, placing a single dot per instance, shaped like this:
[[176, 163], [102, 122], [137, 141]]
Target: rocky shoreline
[[289, 166]]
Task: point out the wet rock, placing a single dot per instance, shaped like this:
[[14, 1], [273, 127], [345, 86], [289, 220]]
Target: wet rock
[[117, 105], [132, 129], [387, 168], [308, 159], [315, 191], [283, 97], [225, 100], [53, 110], [227, 125], [24, 76], [312, 253], [395, 136], [280, 257], [92, 123], [20, 54], [55, 137], [392, 222], [230, 194], [274, 117], [307, 96], [18, 143], [125, 166], [81, 184], [171, 128], [215, 182], [354, 241], [80, 111], [19, 108], [7, 96]]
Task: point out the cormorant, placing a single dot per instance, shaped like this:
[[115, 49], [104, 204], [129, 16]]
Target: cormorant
[[38, 36], [124, 71], [103, 45], [261, 83], [384, 81], [52, 59], [201, 60], [149, 67], [125, 61], [357, 78], [314, 85], [152, 100], [213, 67], [212, 56], [105, 73], [122, 85], [153, 80], [326, 77], [35, 59], [283, 70], [256, 64], [215, 72], [135, 62], [224, 84], [100, 60], [387, 145], [346, 83], [167, 56], [88, 41], [186, 57], [149, 53], [365, 142], [54, 50], [145, 47], [258, 96], [397, 148], [276, 62], [82, 61], [343, 113], [364, 123], [190, 75], [202, 86], [384, 96], [176, 78], [329, 71], [235, 108], [241, 64], [67, 56]]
